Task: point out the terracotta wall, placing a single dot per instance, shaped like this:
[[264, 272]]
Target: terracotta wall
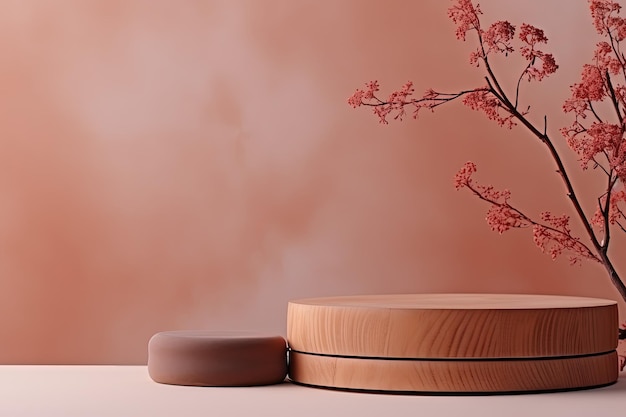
[[170, 165]]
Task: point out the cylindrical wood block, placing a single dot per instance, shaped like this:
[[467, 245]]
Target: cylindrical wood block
[[453, 342], [205, 358]]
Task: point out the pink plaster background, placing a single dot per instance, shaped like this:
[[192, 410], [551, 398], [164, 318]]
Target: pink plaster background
[[194, 164]]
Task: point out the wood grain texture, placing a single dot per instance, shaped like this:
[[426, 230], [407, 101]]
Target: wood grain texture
[[453, 326], [454, 376]]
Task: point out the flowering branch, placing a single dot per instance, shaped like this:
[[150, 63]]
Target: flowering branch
[[598, 139], [552, 235]]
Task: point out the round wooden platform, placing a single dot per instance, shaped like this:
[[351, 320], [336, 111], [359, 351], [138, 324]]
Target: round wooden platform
[[453, 342]]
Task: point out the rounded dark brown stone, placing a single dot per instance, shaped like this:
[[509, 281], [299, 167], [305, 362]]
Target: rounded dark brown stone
[[205, 358]]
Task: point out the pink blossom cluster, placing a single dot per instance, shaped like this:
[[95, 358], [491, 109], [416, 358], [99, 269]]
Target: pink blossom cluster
[[477, 99], [552, 235], [614, 214], [531, 36], [395, 103], [596, 137], [498, 38], [363, 96], [603, 13], [555, 238], [597, 140], [483, 100], [465, 15], [501, 215]]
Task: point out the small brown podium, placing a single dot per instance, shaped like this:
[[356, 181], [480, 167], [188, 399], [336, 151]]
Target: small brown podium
[[453, 343]]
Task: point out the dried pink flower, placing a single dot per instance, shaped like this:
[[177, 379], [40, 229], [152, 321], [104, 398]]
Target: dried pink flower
[[605, 59], [502, 217], [598, 138], [360, 96], [465, 15], [531, 36], [552, 235], [592, 87], [557, 239], [463, 178], [498, 37], [483, 100], [601, 13], [616, 210]]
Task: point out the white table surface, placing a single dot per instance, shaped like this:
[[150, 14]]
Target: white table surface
[[128, 391]]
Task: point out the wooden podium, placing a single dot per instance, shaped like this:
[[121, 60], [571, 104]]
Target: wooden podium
[[453, 343]]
